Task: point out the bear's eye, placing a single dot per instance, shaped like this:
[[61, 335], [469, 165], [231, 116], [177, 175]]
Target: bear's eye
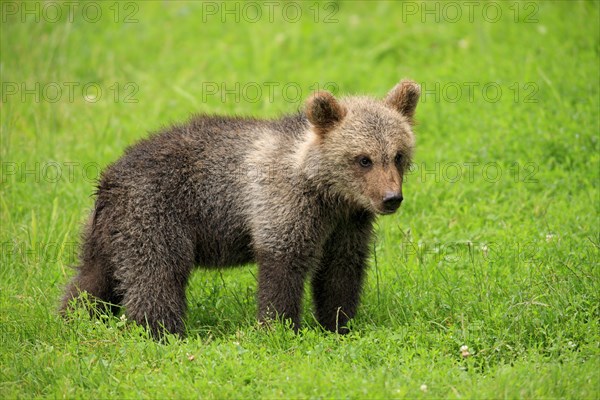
[[398, 159], [365, 162]]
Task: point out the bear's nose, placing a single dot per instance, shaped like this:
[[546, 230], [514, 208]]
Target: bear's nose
[[391, 201]]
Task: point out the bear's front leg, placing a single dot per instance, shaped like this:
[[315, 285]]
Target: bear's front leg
[[337, 282], [280, 287], [288, 234]]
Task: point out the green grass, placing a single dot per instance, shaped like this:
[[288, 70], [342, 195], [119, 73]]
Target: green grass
[[506, 265]]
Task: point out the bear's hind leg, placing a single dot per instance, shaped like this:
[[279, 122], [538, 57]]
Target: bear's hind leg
[[98, 282], [153, 268], [157, 301]]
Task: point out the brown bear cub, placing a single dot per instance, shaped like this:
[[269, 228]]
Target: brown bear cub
[[297, 195]]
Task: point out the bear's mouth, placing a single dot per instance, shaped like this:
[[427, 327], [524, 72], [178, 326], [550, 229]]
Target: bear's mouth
[[386, 211]]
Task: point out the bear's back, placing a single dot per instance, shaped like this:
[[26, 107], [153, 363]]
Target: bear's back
[[195, 175]]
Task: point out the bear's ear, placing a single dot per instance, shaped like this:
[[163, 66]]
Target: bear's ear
[[404, 98], [324, 111]]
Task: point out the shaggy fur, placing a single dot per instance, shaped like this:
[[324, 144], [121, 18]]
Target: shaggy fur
[[297, 195]]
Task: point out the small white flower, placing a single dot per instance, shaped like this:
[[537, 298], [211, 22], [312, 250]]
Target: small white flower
[[485, 249], [464, 351], [423, 388]]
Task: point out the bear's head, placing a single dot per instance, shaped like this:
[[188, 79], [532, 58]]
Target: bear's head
[[360, 148]]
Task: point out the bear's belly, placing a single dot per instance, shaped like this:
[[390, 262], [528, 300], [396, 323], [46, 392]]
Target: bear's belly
[[223, 248]]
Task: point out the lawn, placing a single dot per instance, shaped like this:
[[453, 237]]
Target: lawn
[[496, 246]]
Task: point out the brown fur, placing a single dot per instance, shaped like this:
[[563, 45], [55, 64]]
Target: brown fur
[[186, 197]]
